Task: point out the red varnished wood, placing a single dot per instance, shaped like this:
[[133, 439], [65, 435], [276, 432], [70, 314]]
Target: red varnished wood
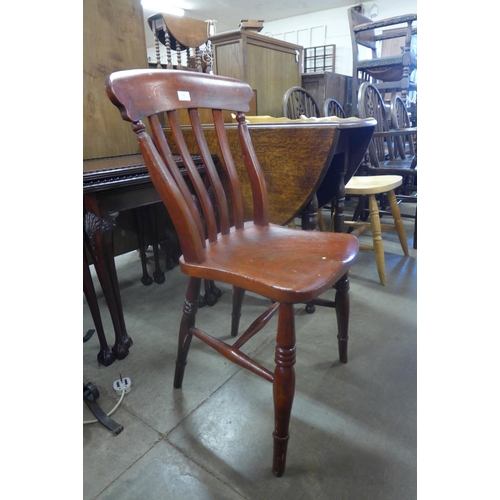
[[285, 265], [280, 263]]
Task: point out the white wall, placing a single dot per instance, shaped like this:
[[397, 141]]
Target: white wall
[[332, 27]]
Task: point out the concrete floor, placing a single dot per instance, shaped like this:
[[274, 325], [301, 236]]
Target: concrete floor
[[353, 427]]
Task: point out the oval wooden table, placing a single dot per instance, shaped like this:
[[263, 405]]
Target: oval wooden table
[[306, 164]]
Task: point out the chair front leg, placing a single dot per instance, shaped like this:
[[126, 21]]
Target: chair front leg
[[342, 312], [283, 385], [187, 322]]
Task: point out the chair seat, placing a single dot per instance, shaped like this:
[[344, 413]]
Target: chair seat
[[375, 184], [271, 261], [390, 167], [388, 68]]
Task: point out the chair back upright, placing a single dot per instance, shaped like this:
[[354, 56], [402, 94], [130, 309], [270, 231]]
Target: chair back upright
[[371, 105], [365, 38], [298, 102], [333, 108], [399, 120], [147, 95]]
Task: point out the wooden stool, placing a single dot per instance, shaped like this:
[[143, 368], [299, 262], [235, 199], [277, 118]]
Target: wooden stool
[[371, 186]]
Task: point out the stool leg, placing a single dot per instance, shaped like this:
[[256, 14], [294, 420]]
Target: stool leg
[[378, 245], [396, 214]]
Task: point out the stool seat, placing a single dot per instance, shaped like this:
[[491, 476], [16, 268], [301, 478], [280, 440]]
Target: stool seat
[[373, 184]]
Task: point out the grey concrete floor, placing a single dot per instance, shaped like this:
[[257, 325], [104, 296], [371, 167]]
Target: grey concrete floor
[[353, 431]]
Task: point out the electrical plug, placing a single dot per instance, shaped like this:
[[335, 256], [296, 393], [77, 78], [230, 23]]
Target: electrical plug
[[123, 384]]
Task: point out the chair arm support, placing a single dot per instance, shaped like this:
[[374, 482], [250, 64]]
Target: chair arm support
[[395, 34], [390, 21], [396, 133]]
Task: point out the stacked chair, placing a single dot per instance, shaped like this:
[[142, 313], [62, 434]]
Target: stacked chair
[[391, 73]]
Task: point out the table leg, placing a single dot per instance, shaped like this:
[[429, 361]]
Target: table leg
[[105, 356], [98, 233]]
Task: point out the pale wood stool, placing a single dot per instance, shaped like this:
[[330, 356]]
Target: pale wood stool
[[371, 186]]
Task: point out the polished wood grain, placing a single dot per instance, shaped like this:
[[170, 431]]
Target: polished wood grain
[[285, 265], [281, 149], [113, 40]]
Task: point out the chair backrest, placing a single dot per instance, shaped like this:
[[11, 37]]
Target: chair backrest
[[298, 101], [333, 108], [400, 120], [364, 38], [371, 105], [151, 94]]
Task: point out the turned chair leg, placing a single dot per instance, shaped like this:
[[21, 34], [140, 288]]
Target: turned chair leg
[[187, 322], [238, 295], [378, 245], [342, 307], [398, 223], [283, 385]]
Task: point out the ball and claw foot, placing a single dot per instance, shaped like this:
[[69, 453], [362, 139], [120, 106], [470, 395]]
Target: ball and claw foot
[[159, 277], [106, 357], [121, 350]]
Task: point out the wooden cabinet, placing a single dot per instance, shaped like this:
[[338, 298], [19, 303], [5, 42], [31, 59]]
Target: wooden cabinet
[[327, 85], [268, 65], [113, 40]]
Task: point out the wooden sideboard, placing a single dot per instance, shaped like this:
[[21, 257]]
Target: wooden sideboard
[[268, 65]]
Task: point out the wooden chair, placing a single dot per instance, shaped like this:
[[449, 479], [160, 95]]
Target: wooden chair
[[383, 156], [288, 266], [298, 102], [401, 120], [387, 73], [332, 107], [406, 146]]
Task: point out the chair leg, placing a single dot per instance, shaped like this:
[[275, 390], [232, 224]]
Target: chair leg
[[396, 214], [342, 306], [378, 245], [283, 385], [187, 322], [415, 231], [238, 295]]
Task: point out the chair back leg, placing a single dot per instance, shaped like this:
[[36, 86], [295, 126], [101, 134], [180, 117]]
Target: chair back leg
[[342, 306]]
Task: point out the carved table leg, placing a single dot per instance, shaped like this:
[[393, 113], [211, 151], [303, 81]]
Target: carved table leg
[[140, 223], [158, 275], [98, 232], [105, 356], [309, 215]]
